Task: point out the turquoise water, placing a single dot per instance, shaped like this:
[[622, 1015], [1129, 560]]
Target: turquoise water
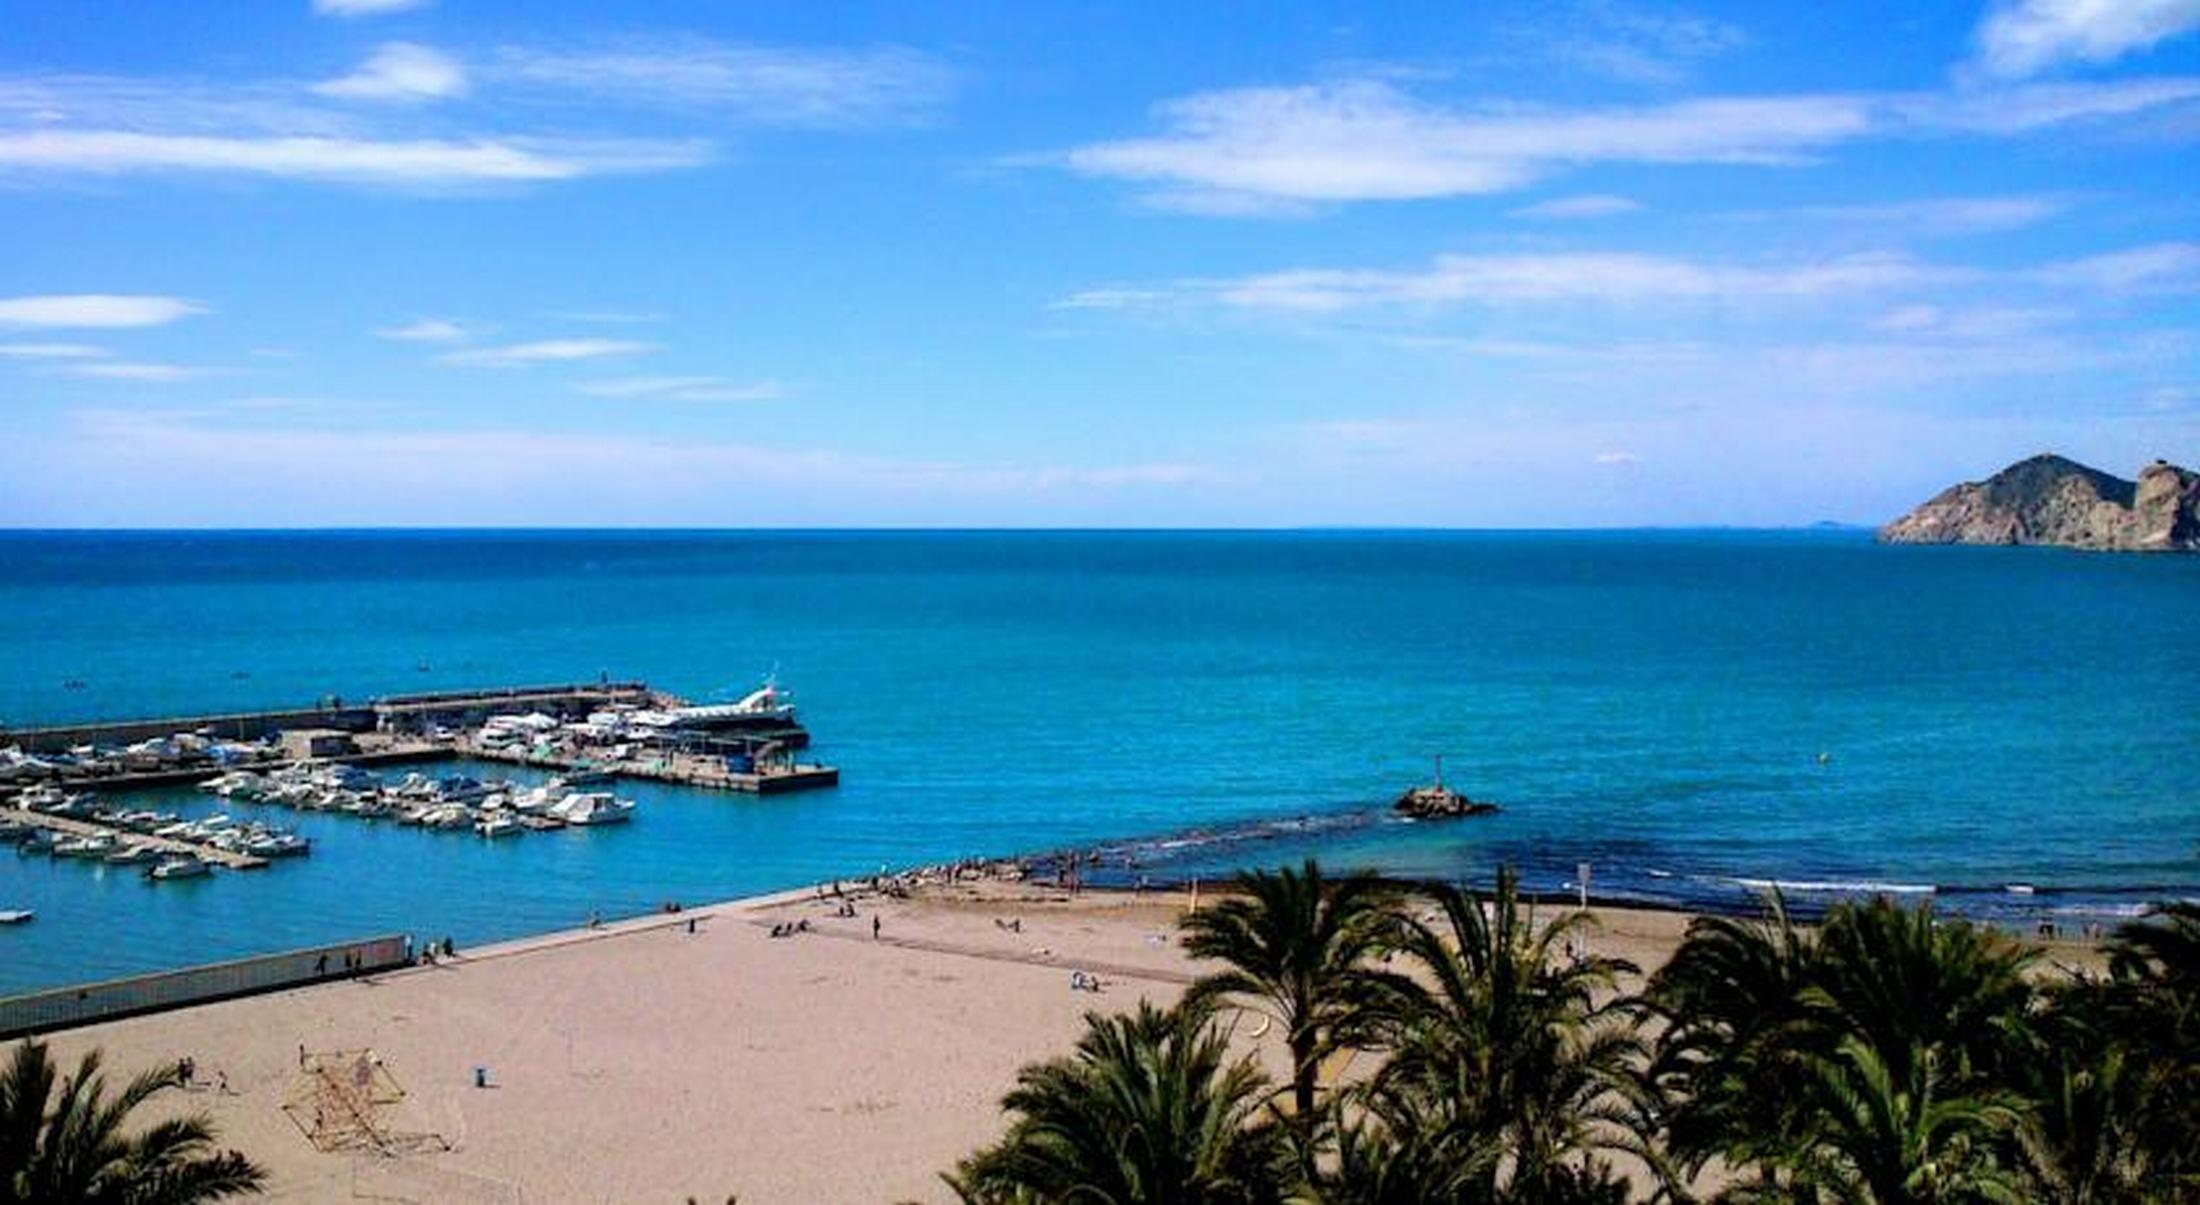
[[1653, 703]]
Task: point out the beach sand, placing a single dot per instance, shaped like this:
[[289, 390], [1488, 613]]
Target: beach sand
[[644, 1062]]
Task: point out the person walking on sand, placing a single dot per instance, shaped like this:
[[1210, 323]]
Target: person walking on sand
[[874, 926]]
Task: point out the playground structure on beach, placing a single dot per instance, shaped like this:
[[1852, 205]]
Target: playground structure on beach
[[346, 1100]]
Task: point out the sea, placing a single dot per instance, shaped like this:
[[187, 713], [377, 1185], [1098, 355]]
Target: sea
[[1688, 717]]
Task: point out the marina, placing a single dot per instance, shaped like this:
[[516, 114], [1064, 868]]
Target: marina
[[608, 730]]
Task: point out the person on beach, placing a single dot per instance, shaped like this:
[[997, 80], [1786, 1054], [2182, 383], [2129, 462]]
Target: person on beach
[[874, 927]]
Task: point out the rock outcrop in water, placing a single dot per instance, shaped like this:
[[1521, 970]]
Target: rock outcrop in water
[[2053, 500]]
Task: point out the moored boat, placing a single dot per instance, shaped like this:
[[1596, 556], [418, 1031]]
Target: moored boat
[[182, 867], [592, 807]]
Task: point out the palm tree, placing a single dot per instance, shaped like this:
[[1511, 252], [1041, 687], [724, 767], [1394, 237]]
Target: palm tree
[[2153, 1004], [1906, 981], [1503, 1036], [1148, 1111], [66, 1144], [1728, 1065], [1298, 948], [1888, 1137]]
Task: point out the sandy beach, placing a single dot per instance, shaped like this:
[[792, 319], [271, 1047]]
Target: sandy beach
[[643, 1061]]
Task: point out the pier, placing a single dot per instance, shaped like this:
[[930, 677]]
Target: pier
[[623, 728], [209, 854], [686, 769]]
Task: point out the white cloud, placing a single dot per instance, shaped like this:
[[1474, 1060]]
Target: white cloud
[[2028, 36], [547, 351], [50, 351], [756, 85], [1932, 215], [2159, 268], [400, 71], [1636, 45], [364, 8], [95, 310], [118, 370], [419, 163], [142, 465], [1571, 208], [1368, 141], [1615, 277], [1111, 299], [1616, 458], [1250, 150], [2025, 108], [426, 330], [684, 389], [1986, 322]]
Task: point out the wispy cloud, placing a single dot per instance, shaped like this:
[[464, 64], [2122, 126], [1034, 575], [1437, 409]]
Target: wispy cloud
[[1561, 209], [50, 351], [1249, 149], [2022, 37], [746, 84], [364, 8], [1931, 215], [400, 71], [1552, 277], [2159, 268], [1632, 43], [547, 351], [1112, 299], [95, 310], [120, 370], [684, 389], [515, 475], [351, 160], [426, 330], [545, 123]]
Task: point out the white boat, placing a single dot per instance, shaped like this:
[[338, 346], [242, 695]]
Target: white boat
[[180, 868], [448, 816], [133, 854], [592, 807], [540, 800], [499, 826], [15, 916], [278, 845], [89, 848]]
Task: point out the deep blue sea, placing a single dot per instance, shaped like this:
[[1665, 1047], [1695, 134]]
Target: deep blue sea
[[1655, 704]]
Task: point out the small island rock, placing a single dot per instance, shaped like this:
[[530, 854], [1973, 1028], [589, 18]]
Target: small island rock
[[2056, 501]]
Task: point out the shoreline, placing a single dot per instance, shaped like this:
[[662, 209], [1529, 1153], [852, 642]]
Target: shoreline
[[714, 1050]]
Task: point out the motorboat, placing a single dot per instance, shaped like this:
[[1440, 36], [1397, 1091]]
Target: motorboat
[[88, 848], [540, 800], [181, 867], [15, 916], [500, 825], [592, 807], [133, 853], [278, 845]]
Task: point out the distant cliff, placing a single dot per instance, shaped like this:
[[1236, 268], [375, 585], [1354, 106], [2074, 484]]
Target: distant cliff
[[2051, 500]]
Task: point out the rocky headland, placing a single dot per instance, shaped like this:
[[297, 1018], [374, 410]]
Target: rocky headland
[[2056, 501]]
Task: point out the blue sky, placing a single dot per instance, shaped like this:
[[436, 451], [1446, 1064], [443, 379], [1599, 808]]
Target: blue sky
[[1601, 263]]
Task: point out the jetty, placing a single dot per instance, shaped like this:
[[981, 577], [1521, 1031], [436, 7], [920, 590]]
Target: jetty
[[690, 769], [623, 728], [210, 854]]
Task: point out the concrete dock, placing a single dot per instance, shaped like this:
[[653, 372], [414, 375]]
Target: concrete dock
[[211, 855], [686, 769]]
